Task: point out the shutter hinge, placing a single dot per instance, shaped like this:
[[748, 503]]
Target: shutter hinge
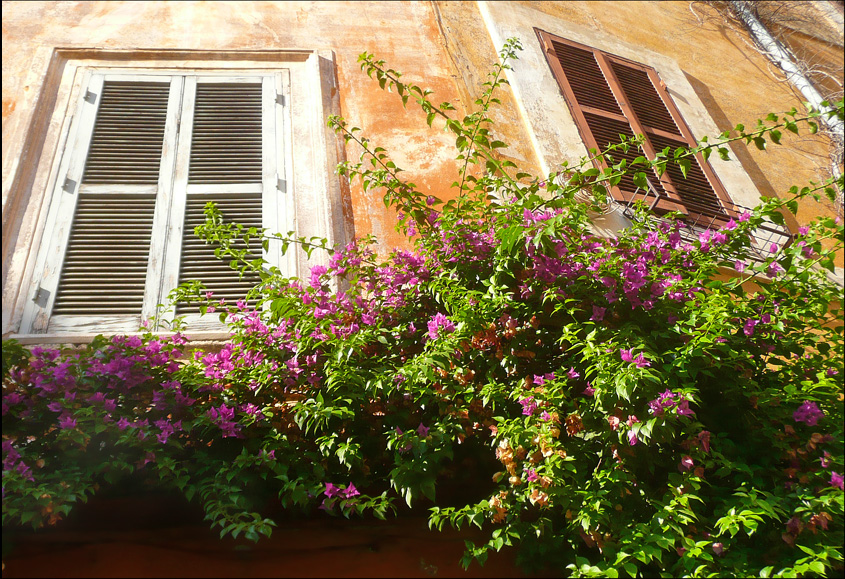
[[69, 186], [281, 185], [280, 99], [41, 296], [89, 97]]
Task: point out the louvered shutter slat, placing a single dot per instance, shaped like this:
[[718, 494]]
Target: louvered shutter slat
[[226, 143], [695, 190], [586, 78], [606, 131], [198, 259], [105, 265], [644, 99], [593, 84], [226, 149], [130, 124]]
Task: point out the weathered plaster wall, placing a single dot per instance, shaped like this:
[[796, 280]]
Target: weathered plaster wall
[[734, 82], [445, 46], [165, 537], [403, 33]]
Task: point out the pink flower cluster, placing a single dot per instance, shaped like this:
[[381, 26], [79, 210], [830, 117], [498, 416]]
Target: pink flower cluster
[[224, 417], [808, 412], [640, 361], [439, 322], [669, 401]]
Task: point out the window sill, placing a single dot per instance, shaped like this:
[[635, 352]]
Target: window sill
[[74, 339]]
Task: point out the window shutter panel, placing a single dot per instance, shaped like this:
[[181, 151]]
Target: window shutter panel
[[651, 107], [225, 167], [226, 143], [609, 96], [105, 264], [597, 113]]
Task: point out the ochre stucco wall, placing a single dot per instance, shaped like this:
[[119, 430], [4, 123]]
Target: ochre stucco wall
[[440, 45], [403, 33], [733, 81]]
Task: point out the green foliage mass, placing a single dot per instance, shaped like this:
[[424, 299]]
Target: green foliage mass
[[612, 407]]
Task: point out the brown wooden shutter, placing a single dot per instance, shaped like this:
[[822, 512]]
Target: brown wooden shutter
[[105, 264], [609, 96], [225, 167]]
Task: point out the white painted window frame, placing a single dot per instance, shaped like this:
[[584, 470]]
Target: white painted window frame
[[171, 193], [310, 201]]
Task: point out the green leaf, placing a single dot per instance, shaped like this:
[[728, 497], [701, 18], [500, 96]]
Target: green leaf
[[641, 180], [817, 567]]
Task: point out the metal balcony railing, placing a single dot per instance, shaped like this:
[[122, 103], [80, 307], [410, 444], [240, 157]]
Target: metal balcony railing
[[764, 239]]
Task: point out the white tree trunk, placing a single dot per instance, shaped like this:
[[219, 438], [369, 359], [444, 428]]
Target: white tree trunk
[[783, 59]]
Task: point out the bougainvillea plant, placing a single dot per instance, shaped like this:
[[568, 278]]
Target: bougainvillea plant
[[658, 403]]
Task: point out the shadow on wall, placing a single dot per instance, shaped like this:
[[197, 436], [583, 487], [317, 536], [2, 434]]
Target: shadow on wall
[[162, 535], [740, 150]]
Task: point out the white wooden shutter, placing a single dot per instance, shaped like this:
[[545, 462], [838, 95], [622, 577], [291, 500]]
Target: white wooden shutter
[[228, 156], [117, 169], [146, 153]]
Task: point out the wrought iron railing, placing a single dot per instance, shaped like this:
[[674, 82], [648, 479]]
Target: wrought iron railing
[[767, 239]]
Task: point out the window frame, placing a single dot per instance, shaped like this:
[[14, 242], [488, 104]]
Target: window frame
[[604, 60], [311, 203], [162, 272], [552, 134]]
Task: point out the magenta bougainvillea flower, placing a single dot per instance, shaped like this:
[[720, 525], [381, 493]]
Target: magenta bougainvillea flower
[[836, 480], [808, 412], [668, 401], [686, 463], [335, 491], [67, 422], [351, 491], [748, 328], [438, 322], [639, 360], [528, 406]]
